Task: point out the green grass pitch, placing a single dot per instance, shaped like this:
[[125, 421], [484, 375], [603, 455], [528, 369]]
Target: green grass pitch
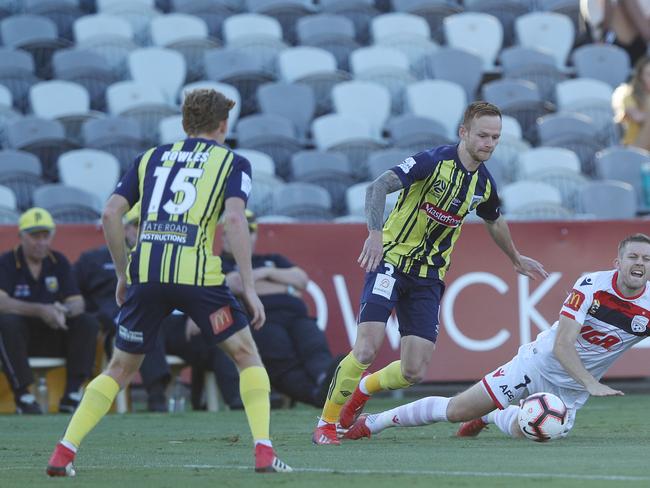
[[608, 445]]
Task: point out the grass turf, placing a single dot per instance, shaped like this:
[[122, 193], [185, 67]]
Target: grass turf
[[607, 445]]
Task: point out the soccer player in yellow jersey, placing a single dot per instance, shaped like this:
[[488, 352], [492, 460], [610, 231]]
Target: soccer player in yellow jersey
[[182, 190], [407, 260]]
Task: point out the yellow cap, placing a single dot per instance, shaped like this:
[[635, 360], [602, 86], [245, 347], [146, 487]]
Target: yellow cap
[[36, 219]]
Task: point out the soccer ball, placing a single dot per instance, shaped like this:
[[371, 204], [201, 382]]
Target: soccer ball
[[542, 417]]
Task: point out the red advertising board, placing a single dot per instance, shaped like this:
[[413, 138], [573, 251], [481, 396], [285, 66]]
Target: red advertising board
[[487, 310]]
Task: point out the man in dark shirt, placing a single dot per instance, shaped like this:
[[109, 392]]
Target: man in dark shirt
[[294, 350], [42, 313]]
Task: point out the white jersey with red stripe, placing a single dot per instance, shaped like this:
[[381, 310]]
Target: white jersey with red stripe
[[611, 324]]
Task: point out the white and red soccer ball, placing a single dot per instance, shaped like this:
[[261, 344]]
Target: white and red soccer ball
[[542, 417]]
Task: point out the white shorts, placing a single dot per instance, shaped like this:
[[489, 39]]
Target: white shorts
[[520, 377]]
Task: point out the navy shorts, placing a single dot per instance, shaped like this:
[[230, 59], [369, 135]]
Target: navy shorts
[[416, 301], [214, 309]]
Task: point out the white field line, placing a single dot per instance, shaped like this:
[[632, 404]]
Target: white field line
[[413, 472]]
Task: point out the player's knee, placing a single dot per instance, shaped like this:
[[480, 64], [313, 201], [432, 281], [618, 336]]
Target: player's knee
[[121, 371], [244, 355], [411, 373], [364, 352]]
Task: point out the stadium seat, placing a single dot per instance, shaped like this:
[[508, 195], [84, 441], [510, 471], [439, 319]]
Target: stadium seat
[[186, 34], [355, 199], [533, 65], [293, 101], [142, 102], [171, 129], [433, 11], [304, 201], [314, 67], [347, 134], [7, 199], [364, 99], [92, 170], [510, 127], [329, 170], [119, 136], [478, 33], [229, 91], [65, 101], [68, 204], [507, 153], [17, 74], [361, 12], [568, 182], [533, 200], [287, 12], [604, 62], [107, 35], [261, 198], [406, 32], [138, 13], [87, 68], [386, 66], [541, 159], [21, 171], [62, 12], [381, 161], [609, 199], [549, 31], [623, 164], [333, 33], [504, 10], [7, 112], [455, 65], [162, 68], [573, 131], [43, 138], [261, 163], [271, 134], [240, 70], [440, 100], [416, 133], [260, 36], [212, 12], [35, 34]]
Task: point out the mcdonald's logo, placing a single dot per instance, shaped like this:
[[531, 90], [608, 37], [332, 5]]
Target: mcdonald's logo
[[575, 300], [221, 319]]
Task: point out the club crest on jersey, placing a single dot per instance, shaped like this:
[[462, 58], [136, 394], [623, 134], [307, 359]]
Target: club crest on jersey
[[439, 186], [441, 216], [594, 307], [639, 323], [52, 284], [476, 199]]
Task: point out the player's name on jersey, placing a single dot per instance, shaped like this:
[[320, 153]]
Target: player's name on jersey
[[169, 232], [186, 156]]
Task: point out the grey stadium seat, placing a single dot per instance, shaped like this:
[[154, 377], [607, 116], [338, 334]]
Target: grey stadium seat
[[381, 161], [20, 171], [294, 101], [334, 33], [604, 62], [119, 136], [303, 201], [608, 199], [623, 164], [67, 204], [17, 74]]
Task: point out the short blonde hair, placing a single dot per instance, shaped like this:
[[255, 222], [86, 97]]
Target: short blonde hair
[[203, 110]]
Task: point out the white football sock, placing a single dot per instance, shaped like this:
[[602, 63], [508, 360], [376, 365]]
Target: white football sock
[[503, 419], [421, 412]]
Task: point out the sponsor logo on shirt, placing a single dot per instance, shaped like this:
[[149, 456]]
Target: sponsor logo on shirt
[[407, 164], [441, 216], [586, 282], [166, 232], [129, 335], [246, 184], [22, 291], [574, 300]]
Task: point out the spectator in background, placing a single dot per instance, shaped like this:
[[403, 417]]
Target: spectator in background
[[294, 350], [42, 313], [631, 103], [625, 23], [95, 274]]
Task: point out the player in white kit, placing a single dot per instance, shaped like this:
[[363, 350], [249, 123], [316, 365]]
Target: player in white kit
[[605, 314]]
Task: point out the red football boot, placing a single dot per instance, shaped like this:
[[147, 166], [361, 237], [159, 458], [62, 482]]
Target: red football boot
[[471, 428], [353, 407], [61, 462], [326, 435], [266, 461], [359, 429]]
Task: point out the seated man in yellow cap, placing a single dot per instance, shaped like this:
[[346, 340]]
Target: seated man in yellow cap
[[42, 314]]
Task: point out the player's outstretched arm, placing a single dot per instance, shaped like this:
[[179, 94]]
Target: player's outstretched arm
[[524, 265], [373, 249], [236, 231], [565, 351]]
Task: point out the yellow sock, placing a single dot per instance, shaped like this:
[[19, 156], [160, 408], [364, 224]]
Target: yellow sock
[[388, 378], [96, 402], [254, 388], [345, 380]]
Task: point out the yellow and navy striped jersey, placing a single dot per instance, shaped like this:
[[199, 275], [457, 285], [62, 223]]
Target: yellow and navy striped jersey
[[181, 189], [438, 193]]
